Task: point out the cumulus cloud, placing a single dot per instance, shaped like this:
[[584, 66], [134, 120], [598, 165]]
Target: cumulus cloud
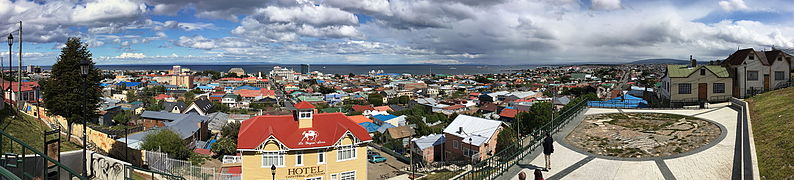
[[277, 24], [127, 55], [733, 5]]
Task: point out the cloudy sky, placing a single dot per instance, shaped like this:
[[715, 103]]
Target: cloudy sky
[[397, 31]]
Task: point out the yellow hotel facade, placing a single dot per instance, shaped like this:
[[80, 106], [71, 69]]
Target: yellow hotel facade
[[303, 146]]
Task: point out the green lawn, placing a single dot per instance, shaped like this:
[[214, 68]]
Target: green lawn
[[772, 116], [30, 130]]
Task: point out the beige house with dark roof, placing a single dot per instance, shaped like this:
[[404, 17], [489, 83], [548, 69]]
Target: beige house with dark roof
[[758, 71], [691, 84]]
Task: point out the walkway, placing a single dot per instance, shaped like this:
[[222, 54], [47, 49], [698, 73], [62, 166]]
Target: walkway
[[712, 161]]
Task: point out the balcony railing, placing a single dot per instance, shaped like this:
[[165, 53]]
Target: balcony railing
[[21, 160]]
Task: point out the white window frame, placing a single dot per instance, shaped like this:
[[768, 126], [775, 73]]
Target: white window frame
[[321, 157], [341, 150], [456, 144], [299, 160], [315, 178], [754, 77], [343, 174], [303, 114], [279, 155], [334, 176]]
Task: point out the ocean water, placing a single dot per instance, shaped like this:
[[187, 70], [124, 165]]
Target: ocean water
[[342, 69]]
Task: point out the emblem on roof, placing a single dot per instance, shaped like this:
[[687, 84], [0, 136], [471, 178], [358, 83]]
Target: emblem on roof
[[309, 137]]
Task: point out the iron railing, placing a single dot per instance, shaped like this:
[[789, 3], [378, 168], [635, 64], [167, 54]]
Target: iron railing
[[499, 163], [16, 161], [130, 172]]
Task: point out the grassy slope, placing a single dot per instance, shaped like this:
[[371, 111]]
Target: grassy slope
[[772, 116], [30, 130]]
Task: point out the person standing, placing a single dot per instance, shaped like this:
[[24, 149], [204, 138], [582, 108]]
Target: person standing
[[548, 149]]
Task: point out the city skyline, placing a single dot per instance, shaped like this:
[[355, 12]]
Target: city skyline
[[397, 32]]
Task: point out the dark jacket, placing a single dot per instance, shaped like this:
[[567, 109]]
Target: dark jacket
[[547, 145]]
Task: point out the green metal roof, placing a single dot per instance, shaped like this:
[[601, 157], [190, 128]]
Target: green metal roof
[[682, 71]]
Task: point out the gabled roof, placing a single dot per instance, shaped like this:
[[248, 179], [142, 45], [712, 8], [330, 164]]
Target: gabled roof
[[369, 126], [304, 105], [509, 113], [682, 71], [384, 117], [383, 108], [360, 108], [358, 119], [428, 141], [328, 127], [203, 104], [478, 129], [400, 132]]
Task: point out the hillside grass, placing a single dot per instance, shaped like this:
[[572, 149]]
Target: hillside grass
[[772, 117], [29, 130]]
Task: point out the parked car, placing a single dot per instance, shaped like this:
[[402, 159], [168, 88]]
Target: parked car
[[370, 153], [376, 159]]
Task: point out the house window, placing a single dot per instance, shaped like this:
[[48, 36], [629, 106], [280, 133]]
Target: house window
[[350, 175], [305, 114], [456, 144], [299, 159], [270, 158], [702, 72], [684, 88], [344, 153], [780, 59], [780, 75], [752, 75], [321, 157], [751, 57], [469, 152], [314, 178], [334, 176], [719, 88]]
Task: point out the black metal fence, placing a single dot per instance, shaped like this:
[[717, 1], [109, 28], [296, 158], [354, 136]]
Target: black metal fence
[[498, 164]]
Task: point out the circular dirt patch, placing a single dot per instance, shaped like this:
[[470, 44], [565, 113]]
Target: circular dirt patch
[[642, 135]]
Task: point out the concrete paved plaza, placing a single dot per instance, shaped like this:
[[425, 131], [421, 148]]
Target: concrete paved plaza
[[716, 160]]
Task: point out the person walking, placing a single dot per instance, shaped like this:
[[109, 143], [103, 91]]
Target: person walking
[[538, 175], [547, 150]]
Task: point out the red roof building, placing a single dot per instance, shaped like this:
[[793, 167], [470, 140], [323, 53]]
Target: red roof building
[[304, 105], [328, 128], [360, 108]]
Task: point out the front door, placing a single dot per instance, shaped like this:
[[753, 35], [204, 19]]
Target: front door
[[766, 82], [703, 91]]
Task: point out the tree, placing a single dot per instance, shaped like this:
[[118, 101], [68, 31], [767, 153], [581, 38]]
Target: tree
[[189, 96], [219, 107], [64, 92], [507, 137], [230, 130], [224, 146], [122, 117], [166, 141], [131, 96], [155, 106], [375, 99]]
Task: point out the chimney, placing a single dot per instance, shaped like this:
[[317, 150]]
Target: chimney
[[460, 130], [692, 61]]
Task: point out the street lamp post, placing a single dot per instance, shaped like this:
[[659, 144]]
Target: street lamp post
[[84, 72], [273, 171], [10, 43]]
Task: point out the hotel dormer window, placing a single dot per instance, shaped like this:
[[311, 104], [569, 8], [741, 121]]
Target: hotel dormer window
[[305, 114]]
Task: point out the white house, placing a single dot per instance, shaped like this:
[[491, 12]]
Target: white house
[[754, 72]]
